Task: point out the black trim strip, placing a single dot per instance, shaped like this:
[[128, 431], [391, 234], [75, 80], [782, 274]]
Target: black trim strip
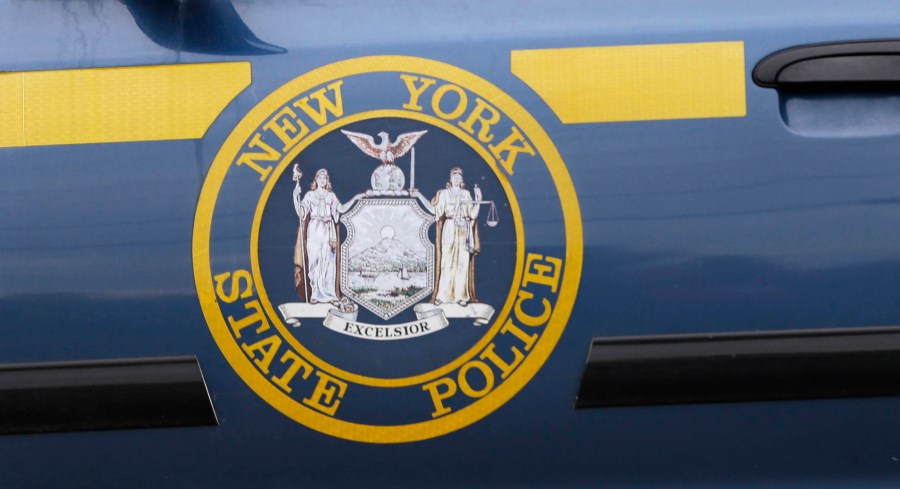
[[851, 65], [733, 367], [103, 395]]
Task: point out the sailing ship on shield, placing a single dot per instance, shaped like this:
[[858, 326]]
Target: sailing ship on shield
[[387, 263]]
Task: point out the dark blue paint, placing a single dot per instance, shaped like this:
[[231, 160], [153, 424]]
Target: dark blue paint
[[699, 225]]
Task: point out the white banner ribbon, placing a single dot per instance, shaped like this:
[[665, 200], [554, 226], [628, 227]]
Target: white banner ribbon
[[431, 318], [481, 313], [385, 332]]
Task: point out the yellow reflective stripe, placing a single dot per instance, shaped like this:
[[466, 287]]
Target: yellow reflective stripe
[[634, 83], [11, 127], [105, 105]]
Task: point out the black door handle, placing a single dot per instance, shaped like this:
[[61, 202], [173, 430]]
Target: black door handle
[[852, 65]]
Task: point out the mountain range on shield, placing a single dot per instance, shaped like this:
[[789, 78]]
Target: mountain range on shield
[[389, 255]]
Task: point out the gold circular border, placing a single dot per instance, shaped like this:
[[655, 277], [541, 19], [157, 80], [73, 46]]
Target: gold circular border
[[426, 429], [305, 352]]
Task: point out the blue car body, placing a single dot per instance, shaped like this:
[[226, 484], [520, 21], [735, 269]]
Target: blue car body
[[780, 214]]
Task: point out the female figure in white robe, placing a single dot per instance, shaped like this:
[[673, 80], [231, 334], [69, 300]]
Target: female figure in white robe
[[457, 239], [319, 211]]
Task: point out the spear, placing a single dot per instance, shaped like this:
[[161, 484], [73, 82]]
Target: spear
[[412, 171], [297, 191]]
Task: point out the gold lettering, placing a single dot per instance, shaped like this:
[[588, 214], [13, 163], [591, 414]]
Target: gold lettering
[[477, 115], [528, 339], [256, 317], [336, 107], [296, 364], [544, 270], [464, 380], [326, 397], [415, 91], [240, 275], [527, 319], [437, 397], [268, 347], [251, 159], [505, 368], [460, 106], [283, 126], [512, 151]]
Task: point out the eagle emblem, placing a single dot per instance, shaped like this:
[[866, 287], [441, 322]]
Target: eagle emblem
[[387, 176]]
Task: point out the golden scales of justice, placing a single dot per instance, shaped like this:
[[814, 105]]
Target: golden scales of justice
[[493, 217]]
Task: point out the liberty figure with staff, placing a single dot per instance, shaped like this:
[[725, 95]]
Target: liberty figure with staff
[[316, 260]]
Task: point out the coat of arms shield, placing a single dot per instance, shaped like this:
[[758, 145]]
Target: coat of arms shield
[[387, 260]]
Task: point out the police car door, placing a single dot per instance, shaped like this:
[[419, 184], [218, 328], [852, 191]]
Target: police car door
[[266, 244]]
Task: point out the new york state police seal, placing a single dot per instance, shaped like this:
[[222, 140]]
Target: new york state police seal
[[387, 249]]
